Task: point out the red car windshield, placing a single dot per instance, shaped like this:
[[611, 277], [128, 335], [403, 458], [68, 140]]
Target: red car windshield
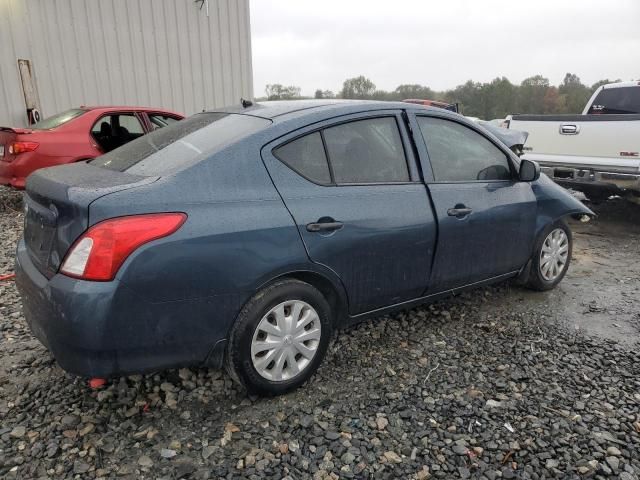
[[57, 120]]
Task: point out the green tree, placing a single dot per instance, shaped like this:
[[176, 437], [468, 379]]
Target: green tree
[[468, 95], [381, 95], [277, 91], [497, 98], [324, 94], [553, 102], [531, 94], [358, 87], [488, 100], [405, 91], [575, 92]]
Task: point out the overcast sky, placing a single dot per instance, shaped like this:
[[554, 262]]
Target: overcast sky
[[441, 43]]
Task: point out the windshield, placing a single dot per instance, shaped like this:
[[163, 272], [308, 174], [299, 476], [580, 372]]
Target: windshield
[[617, 100], [169, 149], [57, 120]]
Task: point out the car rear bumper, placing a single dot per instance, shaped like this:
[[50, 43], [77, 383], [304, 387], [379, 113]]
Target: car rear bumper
[[584, 177], [9, 175], [104, 329], [15, 171]]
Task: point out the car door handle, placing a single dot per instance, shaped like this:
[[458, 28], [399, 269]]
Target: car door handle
[[568, 129], [459, 211], [324, 226]]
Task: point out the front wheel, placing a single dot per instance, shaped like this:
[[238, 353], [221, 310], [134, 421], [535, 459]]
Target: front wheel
[[280, 338], [551, 257]]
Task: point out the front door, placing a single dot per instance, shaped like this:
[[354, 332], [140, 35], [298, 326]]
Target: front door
[[352, 188], [486, 216]]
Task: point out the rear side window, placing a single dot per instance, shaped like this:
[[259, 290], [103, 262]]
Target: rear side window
[[57, 120], [306, 156], [367, 151], [459, 154], [129, 124], [617, 100], [175, 147], [159, 120]]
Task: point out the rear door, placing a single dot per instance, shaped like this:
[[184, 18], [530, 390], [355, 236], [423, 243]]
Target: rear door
[[486, 216], [115, 129], [352, 187]]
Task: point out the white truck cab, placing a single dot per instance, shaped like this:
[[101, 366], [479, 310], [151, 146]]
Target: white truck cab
[[597, 152]]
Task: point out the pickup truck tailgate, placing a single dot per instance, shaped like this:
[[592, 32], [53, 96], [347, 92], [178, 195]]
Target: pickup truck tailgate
[[610, 142]]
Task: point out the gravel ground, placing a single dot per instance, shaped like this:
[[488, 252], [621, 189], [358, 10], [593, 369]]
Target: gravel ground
[[498, 383]]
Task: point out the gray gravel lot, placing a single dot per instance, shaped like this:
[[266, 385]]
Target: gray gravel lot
[[498, 383]]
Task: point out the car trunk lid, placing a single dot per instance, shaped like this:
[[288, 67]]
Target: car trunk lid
[[57, 204]]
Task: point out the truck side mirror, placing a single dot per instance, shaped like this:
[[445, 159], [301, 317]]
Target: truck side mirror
[[529, 171]]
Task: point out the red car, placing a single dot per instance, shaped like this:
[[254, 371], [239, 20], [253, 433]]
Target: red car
[[75, 135]]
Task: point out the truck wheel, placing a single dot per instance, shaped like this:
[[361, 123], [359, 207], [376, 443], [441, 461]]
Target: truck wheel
[[279, 338], [551, 257]]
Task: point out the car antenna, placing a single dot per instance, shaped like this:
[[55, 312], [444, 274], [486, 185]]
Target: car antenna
[[246, 103]]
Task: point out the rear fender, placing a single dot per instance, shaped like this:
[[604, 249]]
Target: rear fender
[[322, 278]]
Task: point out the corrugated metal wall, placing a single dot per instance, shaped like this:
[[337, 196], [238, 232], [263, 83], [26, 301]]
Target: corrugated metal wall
[[162, 53]]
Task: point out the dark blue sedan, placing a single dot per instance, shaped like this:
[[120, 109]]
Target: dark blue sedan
[[243, 237]]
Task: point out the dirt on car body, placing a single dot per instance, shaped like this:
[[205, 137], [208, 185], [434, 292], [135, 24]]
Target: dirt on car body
[[500, 382]]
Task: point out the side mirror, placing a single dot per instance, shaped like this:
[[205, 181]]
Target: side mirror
[[529, 171]]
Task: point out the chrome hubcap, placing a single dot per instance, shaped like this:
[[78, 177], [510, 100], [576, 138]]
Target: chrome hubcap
[[286, 340], [554, 255]]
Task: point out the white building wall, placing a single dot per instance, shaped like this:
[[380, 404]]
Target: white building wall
[[161, 53]]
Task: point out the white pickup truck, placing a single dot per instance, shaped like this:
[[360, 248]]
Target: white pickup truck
[[597, 152]]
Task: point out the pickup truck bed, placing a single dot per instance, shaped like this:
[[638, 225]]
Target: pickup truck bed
[[598, 154]]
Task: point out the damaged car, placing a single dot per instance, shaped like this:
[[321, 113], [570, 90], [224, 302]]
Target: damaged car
[[243, 237]]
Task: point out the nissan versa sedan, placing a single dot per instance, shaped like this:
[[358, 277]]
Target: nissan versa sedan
[[243, 237]]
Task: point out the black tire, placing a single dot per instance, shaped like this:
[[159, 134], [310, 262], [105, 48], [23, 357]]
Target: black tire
[[536, 280], [239, 363]]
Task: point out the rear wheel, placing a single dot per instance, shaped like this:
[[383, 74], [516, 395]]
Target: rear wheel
[[280, 338], [551, 258]]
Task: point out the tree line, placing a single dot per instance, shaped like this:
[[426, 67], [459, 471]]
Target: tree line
[[494, 99]]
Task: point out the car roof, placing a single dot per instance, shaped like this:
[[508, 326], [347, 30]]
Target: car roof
[[281, 109], [634, 83]]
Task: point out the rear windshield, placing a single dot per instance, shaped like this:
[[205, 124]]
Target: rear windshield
[[617, 100], [57, 120], [167, 150]]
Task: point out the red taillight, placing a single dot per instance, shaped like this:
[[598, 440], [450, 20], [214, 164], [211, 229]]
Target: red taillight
[[101, 250], [21, 147]]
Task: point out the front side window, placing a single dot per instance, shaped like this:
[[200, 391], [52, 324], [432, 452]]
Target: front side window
[[617, 100], [459, 154], [306, 156], [367, 151]]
